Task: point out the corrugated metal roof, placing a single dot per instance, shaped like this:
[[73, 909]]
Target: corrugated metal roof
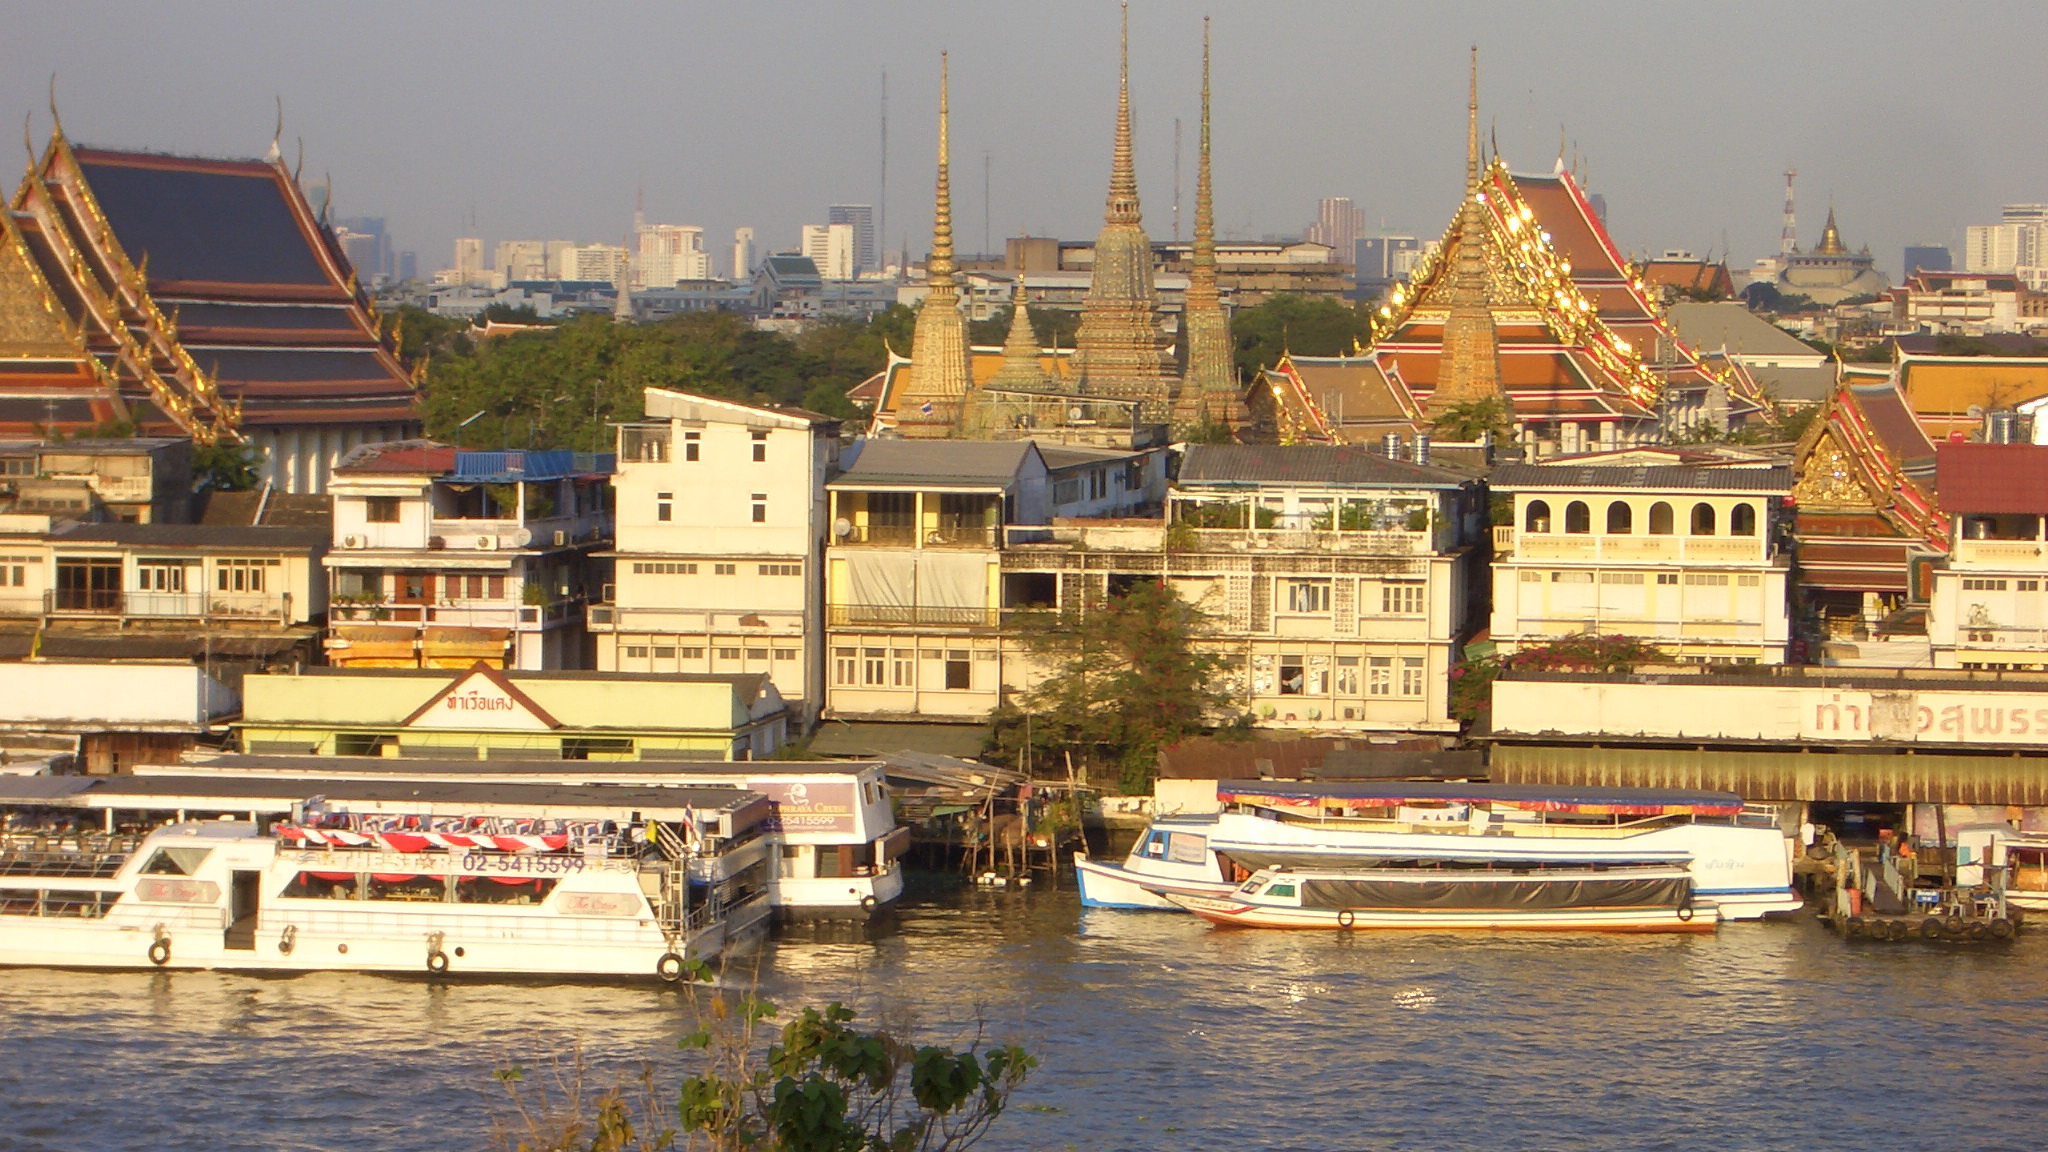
[[1318, 464], [237, 536], [1663, 478], [1992, 479], [977, 463]]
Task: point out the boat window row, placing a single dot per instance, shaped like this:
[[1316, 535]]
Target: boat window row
[[420, 889], [55, 902], [1621, 518]]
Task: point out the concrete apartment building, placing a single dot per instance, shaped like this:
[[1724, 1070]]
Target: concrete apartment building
[[1687, 557], [1987, 610], [1337, 584], [443, 557], [721, 533], [916, 579]]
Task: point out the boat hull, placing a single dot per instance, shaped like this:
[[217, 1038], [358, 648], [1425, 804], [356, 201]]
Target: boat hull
[[1106, 885], [1230, 913]]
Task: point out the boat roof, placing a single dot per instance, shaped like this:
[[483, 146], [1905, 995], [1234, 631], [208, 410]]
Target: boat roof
[[1534, 797], [250, 792]]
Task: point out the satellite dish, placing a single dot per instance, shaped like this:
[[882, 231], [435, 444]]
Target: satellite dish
[[842, 528], [522, 538]]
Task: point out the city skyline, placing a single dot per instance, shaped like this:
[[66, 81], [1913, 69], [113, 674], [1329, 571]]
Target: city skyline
[[399, 108]]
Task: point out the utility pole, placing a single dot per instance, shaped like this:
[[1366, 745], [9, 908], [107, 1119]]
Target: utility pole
[[987, 225], [1176, 179]]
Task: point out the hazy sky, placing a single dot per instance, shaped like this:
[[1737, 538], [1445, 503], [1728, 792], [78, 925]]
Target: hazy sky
[[1914, 119]]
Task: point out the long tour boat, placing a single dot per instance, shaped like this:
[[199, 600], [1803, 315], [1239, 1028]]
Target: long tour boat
[[1738, 857], [393, 892], [1563, 898]]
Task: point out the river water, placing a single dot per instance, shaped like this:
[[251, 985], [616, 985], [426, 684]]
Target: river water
[[1155, 1032]]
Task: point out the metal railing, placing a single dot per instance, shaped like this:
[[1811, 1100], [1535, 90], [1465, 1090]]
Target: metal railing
[[899, 615], [104, 602], [947, 533], [1631, 548]]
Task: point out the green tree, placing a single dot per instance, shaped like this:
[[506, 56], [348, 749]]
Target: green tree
[[1472, 679], [826, 1085], [1290, 322], [1467, 420], [1123, 679], [225, 467]]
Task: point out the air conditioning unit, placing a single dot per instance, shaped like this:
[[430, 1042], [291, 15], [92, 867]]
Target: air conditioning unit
[[351, 541], [486, 543], [561, 537]]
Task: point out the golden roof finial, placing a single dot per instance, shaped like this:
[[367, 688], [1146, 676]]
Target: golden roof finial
[[1123, 175], [940, 269], [276, 152], [1472, 129], [56, 122]]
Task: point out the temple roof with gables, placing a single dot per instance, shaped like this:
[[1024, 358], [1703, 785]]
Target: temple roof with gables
[[1863, 488], [206, 297], [1576, 333]]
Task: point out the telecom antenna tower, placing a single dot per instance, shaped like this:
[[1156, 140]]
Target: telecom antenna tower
[[1788, 241]]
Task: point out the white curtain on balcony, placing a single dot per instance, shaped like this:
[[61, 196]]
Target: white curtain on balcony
[[952, 580], [883, 579]]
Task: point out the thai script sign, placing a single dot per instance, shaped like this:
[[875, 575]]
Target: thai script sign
[[1925, 717], [470, 863]]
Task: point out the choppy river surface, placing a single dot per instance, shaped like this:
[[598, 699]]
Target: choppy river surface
[[1155, 1032]]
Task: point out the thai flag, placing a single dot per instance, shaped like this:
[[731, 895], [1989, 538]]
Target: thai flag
[[927, 408]]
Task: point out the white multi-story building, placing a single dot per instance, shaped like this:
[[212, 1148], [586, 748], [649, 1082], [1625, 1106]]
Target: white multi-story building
[[442, 557], [1336, 584], [742, 255], [1685, 557], [862, 218], [469, 259], [1987, 609], [599, 263], [916, 588], [831, 248], [721, 532], [667, 254]]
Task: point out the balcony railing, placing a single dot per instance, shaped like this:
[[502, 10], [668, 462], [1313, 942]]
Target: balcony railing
[[1632, 549], [945, 534], [1389, 542], [904, 615], [124, 605], [459, 615]]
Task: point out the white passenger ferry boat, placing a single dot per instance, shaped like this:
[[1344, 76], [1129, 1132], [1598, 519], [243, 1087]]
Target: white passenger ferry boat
[[837, 838], [565, 892], [1565, 898], [1739, 859]]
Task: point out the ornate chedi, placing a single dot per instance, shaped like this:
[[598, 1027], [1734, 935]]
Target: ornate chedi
[[1209, 394], [933, 404], [1118, 352], [1020, 370], [1471, 356], [1831, 273]]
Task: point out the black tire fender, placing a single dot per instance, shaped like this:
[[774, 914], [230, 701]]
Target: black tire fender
[[160, 952], [437, 962], [669, 967], [2000, 928], [1930, 929], [1346, 918], [867, 902]]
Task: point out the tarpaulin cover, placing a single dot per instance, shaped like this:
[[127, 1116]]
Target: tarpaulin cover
[[1663, 890], [1532, 797]]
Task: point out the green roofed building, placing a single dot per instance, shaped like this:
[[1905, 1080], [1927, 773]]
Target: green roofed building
[[493, 714]]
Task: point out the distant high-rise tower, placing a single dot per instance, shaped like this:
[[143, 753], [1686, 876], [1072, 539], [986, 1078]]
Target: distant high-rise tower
[[469, 259], [1788, 240], [1117, 351], [862, 219], [742, 255], [1337, 224], [831, 248]]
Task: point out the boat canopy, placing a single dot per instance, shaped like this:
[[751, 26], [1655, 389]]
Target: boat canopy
[[1530, 797]]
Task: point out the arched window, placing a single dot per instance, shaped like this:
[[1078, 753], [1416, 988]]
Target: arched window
[[1703, 519], [1537, 518], [1742, 520], [1578, 519], [1660, 519], [1621, 519]]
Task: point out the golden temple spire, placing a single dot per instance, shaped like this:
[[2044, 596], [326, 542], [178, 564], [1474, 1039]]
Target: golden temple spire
[[1209, 393], [1472, 129], [931, 405], [1831, 239], [939, 269], [1123, 175], [1020, 347], [1471, 354]]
